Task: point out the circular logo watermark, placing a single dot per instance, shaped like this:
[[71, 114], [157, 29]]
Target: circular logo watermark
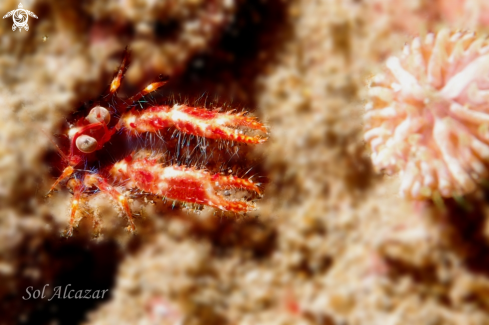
[[20, 17]]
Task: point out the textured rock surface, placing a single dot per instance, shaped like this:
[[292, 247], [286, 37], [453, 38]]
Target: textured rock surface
[[333, 243]]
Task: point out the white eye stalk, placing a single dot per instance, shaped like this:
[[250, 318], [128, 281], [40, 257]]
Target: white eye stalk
[[98, 114], [72, 132], [86, 144]]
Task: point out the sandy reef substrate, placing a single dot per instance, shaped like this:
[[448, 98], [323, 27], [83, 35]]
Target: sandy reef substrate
[[332, 243]]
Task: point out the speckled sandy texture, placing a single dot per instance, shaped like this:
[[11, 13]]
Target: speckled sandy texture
[[342, 247], [190, 27], [332, 244], [38, 85]]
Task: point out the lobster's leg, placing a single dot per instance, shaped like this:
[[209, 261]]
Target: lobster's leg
[[102, 184], [196, 121], [66, 173], [76, 201]]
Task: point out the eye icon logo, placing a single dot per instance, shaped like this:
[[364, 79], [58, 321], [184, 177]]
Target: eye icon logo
[[20, 17]]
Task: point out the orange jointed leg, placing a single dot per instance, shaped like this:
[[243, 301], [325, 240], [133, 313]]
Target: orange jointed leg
[[77, 188], [99, 182], [195, 121], [66, 173]]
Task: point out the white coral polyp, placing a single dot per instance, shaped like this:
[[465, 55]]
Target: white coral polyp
[[428, 115]]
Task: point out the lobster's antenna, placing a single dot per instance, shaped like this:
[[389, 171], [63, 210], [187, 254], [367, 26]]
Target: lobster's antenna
[[60, 152]]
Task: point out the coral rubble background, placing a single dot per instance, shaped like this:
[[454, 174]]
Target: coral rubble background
[[332, 242]]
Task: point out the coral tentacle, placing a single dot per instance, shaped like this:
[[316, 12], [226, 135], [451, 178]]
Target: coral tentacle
[[428, 115]]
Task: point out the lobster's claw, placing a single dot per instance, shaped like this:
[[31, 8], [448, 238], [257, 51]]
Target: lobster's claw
[[227, 183], [197, 121], [185, 184]]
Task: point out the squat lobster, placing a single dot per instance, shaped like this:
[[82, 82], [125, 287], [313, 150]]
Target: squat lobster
[[140, 172]]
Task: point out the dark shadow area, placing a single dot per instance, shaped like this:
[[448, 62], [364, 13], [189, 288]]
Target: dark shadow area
[[253, 235], [227, 73], [464, 222], [71, 264], [461, 225], [361, 174]]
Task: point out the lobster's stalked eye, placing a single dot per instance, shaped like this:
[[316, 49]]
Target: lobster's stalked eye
[[86, 144], [98, 114]]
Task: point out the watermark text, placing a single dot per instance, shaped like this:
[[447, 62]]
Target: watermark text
[[63, 293]]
